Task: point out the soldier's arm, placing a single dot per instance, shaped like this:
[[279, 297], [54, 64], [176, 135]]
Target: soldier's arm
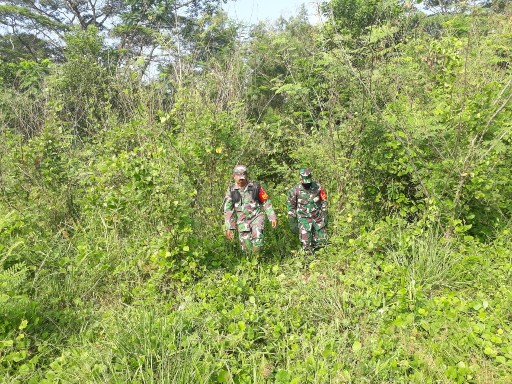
[[229, 212], [291, 203], [267, 205]]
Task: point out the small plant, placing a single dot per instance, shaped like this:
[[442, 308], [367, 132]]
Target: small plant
[[428, 259]]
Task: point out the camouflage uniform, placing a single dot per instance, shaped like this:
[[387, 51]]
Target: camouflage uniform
[[249, 213], [307, 208]]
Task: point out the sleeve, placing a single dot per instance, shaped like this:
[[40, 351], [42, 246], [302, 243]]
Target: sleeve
[[267, 204], [291, 203], [323, 199], [229, 211]]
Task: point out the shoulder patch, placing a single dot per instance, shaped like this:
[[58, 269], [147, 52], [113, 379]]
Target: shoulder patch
[[323, 194], [262, 195]]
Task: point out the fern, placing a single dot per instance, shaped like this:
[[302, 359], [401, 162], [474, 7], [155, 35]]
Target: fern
[[12, 278]]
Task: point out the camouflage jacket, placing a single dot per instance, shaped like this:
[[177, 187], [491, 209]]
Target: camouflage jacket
[[308, 203], [247, 208]]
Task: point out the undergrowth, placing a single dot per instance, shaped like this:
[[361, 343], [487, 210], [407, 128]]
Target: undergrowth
[[371, 310]]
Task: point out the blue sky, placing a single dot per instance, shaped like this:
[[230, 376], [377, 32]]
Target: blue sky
[[254, 11]]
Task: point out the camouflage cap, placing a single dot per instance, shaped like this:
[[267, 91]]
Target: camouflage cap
[[240, 172], [305, 175]]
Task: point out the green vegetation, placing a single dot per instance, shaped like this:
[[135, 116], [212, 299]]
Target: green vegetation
[[117, 143]]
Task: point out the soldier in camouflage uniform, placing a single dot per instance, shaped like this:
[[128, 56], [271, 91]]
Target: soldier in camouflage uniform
[[244, 206], [307, 211]]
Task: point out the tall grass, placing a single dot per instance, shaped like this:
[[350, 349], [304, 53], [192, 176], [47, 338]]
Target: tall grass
[[428, 259]]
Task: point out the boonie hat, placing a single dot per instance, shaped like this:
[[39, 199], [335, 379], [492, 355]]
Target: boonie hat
[[305, 175], [240, 172]]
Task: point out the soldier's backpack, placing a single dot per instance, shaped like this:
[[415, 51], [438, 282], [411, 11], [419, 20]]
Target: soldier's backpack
[[253, 187]]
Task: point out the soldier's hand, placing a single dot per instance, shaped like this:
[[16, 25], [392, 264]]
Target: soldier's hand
[[230, 234], [293, 224], [274, 223]]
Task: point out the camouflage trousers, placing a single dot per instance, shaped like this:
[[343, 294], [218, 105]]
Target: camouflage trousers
[[253, 238], [312, 233]]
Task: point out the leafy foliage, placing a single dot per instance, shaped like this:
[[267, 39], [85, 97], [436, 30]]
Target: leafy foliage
[[113, 264]]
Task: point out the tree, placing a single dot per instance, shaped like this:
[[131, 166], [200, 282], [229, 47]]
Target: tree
[[35, 21], [139, 25], [355, 16]]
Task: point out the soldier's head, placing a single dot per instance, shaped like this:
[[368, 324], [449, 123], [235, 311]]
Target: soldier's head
[[306, 177], [240, 175]]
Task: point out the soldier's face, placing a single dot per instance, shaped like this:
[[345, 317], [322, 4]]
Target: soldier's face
[[305, 183], [240, 182]]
